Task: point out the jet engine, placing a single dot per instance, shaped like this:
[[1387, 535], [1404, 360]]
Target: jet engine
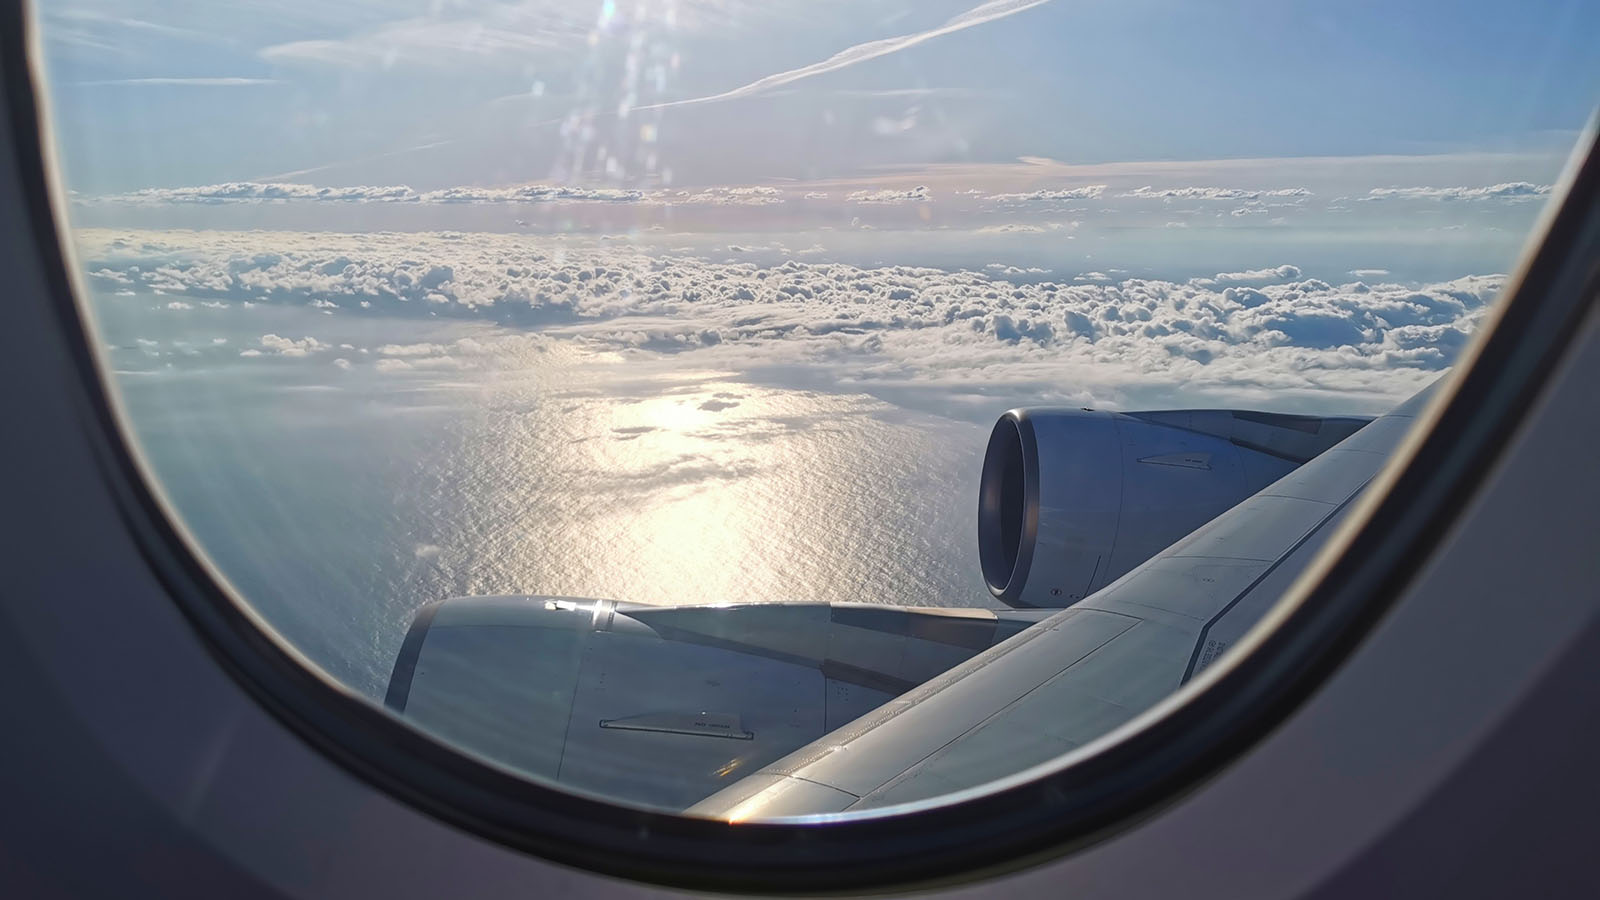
[[1072, 499]]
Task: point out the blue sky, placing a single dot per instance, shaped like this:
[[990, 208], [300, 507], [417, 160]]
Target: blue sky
[[444, 94]]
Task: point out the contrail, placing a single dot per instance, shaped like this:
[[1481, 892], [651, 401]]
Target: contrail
[[985, 12], [351, 162]]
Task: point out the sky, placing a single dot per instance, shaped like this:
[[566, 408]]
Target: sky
[[695, 93], [1136, 199], [489, 291]]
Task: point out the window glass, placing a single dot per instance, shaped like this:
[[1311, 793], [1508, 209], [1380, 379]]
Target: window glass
[[681, 328]]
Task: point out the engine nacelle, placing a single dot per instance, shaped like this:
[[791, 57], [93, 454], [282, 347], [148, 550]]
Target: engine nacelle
[[664, 706], [1072, 499]]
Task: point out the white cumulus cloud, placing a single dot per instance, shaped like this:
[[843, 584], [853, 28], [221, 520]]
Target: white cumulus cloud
[[283, 346], [1089, 192], [917, 194], [1511, 190], [1021, 332], [1211, 193], [286, 192]]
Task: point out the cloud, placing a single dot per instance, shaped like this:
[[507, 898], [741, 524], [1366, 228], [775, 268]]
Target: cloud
[[917, 194], [287, 192], [723, 196], [1249, 203], [282, 346], [1012, 228], [441, 40], [531, 193], [256, 192], [1026, 227], [506, 35], [106, 34], [1252, 276], [1088, 192], [178, 82], [1511, 190], [978, 15], [1005, 330], [1211, 193]]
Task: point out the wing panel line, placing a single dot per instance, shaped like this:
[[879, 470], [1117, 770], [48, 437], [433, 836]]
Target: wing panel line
[[1194, 657]]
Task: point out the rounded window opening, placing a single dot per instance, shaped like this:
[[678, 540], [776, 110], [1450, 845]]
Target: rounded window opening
[[604, 389]]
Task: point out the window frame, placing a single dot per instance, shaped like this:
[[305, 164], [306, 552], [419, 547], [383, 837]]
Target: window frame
[[1162, 756]]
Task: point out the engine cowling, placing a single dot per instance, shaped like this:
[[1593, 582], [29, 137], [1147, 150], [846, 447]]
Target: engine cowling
[[1072, 499], [664, 706]]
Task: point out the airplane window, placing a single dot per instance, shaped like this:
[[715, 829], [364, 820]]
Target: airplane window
[[772, 410]]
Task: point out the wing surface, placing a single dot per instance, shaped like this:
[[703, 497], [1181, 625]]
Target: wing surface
[[1085, 670]]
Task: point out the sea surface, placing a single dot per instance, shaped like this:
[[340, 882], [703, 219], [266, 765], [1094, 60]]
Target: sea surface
[[336, 502]]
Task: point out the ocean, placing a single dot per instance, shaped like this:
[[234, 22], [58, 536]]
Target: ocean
[[336, 503]]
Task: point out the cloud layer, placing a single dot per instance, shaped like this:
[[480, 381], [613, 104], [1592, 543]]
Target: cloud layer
[[1250, 333], [266, 192], [1511, 190], [797, 205], [917, 194], [1211, 193]]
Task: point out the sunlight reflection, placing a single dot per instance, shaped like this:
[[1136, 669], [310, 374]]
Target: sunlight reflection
[[612, 482]]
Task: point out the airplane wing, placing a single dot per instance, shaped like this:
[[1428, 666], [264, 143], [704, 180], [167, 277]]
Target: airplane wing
[[1086, 669], [1088, 530]]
